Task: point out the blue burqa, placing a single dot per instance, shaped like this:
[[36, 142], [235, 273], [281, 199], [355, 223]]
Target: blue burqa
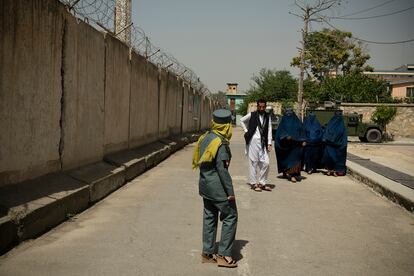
[[312, 152], [335, 139], [288, 143]]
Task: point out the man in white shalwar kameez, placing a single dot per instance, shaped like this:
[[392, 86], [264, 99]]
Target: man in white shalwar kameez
[[257, 126]]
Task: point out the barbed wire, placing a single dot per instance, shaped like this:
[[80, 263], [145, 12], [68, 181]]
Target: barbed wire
[[101, 13]]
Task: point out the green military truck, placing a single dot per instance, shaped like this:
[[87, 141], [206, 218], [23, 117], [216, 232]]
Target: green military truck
[[367, 132]]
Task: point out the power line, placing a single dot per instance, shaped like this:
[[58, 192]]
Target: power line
[[362, 11], [384, 42], [369, 41], [375, 16]]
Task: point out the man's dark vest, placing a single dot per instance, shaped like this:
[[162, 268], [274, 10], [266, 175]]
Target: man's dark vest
[[253, 124]]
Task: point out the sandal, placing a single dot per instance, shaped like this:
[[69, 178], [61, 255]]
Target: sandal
[[208, 258], [226, 261], [257, 188], [293, 179], [266, 188]]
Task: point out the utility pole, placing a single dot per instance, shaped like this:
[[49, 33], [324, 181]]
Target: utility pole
[[309, 13], [122, 24], [302, 62]]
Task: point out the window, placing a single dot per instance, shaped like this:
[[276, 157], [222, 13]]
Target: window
[[410, 92]]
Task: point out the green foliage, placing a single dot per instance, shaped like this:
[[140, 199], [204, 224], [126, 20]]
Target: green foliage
[[272, 86], [220, 97], [287, 104], [311, 91], [330, 51], [351, 88], [242, 108], [383, 115]]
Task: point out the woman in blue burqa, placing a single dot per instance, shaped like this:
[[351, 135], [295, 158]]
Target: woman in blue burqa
[[312, 152], [335, 139], [290, 137]]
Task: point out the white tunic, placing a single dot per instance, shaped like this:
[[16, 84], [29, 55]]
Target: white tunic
[[254, 148], [258, 156]]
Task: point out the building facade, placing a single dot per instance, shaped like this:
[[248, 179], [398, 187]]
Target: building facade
[[400, 80], [234, 99]]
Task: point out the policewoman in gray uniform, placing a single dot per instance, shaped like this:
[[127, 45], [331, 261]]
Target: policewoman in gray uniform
[[212, 155]]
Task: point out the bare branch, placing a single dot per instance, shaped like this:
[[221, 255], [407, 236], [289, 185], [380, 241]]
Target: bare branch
[[296, 15], [303, 8]]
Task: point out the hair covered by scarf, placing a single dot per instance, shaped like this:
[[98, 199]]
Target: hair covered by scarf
[[223, 130]]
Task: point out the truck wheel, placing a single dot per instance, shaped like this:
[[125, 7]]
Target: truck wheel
[[373, 136]]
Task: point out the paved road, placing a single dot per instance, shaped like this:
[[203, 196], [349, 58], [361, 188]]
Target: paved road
[[152, 226]]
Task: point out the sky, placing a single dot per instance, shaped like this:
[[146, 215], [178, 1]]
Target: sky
[[231, 40]]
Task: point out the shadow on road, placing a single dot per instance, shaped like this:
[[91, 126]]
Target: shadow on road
[[237, 248]]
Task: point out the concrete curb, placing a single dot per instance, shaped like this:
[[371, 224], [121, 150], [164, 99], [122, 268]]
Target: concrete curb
[[30, 208], [37, 205], [8, 234], [394, 191], [136, 161], [101, 178], [177, 142]]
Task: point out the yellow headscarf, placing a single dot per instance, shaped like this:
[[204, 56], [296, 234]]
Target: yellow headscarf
[[223, 130]]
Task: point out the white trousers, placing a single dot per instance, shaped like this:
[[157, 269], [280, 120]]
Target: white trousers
[[258, 162]]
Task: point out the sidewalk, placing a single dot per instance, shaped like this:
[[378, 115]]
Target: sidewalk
[[387, 168]]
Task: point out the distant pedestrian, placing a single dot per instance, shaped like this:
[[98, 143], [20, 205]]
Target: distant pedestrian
[[335, 141], [289, 142], [257, 126], [312, 152], [212, 155]]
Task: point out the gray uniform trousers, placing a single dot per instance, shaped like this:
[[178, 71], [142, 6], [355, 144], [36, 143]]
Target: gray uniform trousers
[[228, 216]]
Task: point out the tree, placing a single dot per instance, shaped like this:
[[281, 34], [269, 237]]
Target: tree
[[219, 97], [383, 115], [308, 14], [333, 52], [272, 86], [355, 88], [352, 88]]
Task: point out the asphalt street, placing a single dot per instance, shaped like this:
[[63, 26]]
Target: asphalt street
[[152, 226]]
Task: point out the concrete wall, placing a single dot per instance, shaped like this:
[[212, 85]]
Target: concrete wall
[[163, 104], [117, 95], [153, 104], [69, 94], [401, 127], [83, 90], [277, 107], [185, 110], [206, 114], [174, 94], [144, 116], [30, 88]]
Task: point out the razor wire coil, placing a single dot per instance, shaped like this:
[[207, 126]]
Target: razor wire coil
[[101, 14]]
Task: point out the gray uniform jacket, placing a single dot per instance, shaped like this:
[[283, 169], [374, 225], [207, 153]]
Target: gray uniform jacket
[[215, 181]]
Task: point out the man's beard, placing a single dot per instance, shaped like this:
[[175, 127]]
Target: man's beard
[[261, 112]]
